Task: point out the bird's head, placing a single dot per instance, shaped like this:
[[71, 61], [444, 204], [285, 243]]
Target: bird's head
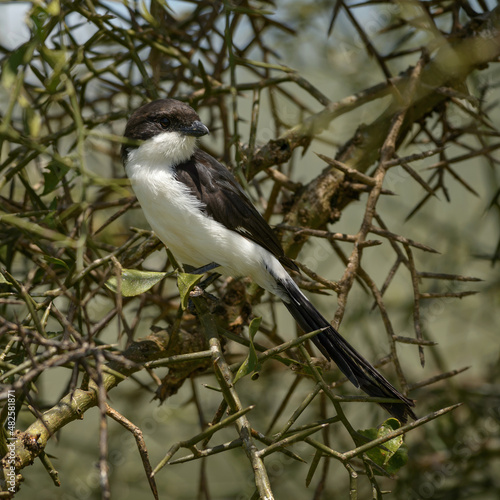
[[166, 128]]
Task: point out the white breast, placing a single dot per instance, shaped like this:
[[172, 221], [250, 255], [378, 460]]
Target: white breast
[[176, 216]]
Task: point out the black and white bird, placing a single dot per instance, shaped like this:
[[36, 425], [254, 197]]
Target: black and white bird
[[199, 211]]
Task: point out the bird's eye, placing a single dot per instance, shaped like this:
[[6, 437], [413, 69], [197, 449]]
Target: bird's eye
[[164, 122]]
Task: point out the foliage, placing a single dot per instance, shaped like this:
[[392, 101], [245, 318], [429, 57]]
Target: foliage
[[84, 292]]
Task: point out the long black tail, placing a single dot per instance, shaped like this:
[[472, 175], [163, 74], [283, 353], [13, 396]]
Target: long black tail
[[356, 368]]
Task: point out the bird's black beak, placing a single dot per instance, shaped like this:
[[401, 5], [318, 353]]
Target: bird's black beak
[[196, 129]]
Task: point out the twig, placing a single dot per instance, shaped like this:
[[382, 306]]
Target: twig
[[416, 303], [405, 428], [437, 378], [141, 445], [224, 377]]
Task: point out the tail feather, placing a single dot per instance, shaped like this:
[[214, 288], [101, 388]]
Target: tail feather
[[333, 346]]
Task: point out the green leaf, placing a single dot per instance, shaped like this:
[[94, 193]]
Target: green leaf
[[393, 454], [56, 261], [251, 363], [54, 203], [39, 16], [20, 57], [56, 172], [55, 58], [3, 280], [134, 282], [186, 282], [147, 15]]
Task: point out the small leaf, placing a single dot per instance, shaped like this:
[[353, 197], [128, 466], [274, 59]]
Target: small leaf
[[134, 282], [394, 444], [56, 172], [251, 363], [57, 61], [393, 454], [3, 280], [253, 328], [38, 16], [54, 204], [19, 57], [185, 283], [55, 58], [56, 261], [147, 15]]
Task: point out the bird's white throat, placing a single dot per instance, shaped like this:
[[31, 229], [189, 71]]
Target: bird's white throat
[[171, 148]]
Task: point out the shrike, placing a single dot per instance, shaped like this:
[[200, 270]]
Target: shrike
[[199, 211]]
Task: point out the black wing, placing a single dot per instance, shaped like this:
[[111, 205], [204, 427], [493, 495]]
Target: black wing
[[227, 203]]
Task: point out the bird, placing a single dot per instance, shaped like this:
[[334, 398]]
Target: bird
[[197, 208]]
